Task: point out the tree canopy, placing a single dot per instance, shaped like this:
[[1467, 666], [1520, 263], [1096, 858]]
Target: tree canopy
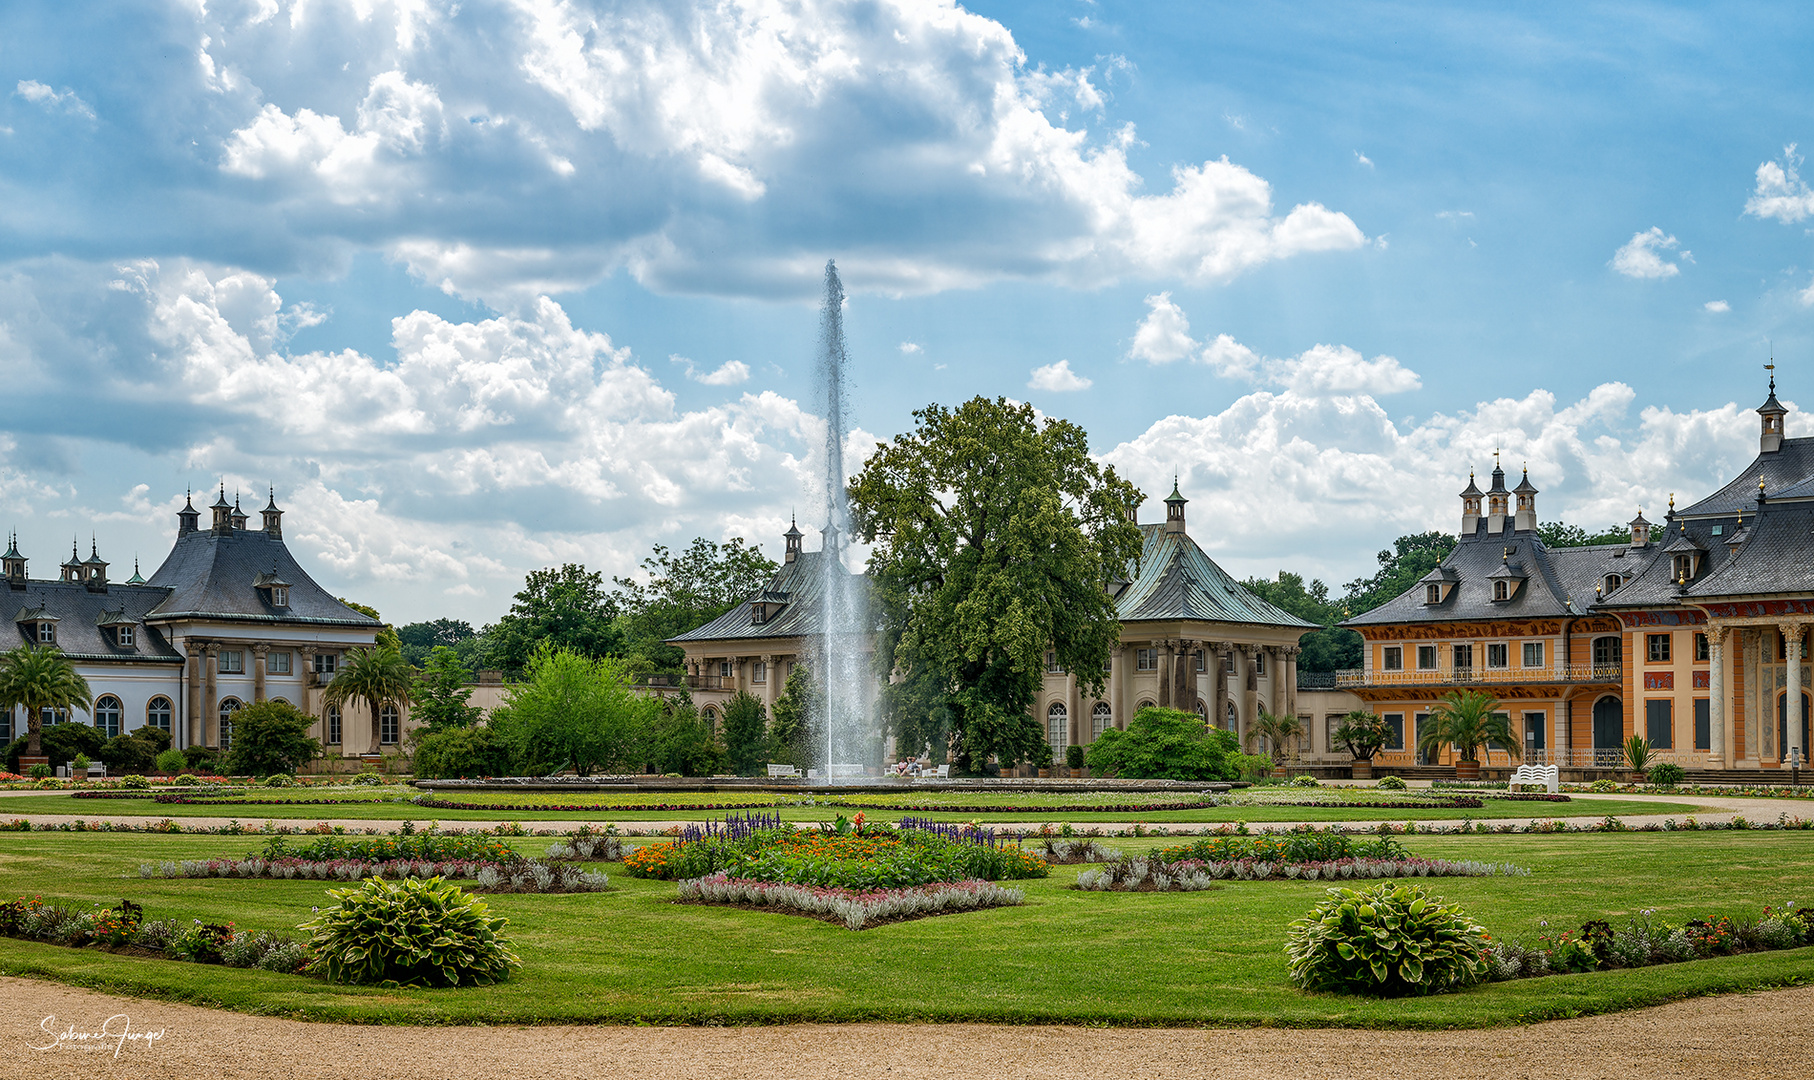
[[684, 591], [1328, 649], [387, 634], [376, 674], [575, 711], [1409, 558], [270, 737], [441, 690], [1559, 534], [1165, 744], [994, 535], [422, 638], [566, 608], [39, 677]]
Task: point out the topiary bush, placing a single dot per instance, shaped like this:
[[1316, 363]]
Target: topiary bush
[[280, 780], [370, 779], [1387, 941], [187, 780], [1392, 783], [410, 933], [134, 781]]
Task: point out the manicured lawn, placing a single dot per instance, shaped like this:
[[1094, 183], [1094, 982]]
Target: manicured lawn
[[1066, 956], [625, 809]]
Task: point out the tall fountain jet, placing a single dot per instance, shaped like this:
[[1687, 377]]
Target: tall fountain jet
[[842, 659]]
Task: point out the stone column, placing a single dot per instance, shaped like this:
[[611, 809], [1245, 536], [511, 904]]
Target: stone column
[[1717, 709], [1218, 685], [1184, 681], [1165, 673], [195, 650], [306, 695], [258, 671], [768, 681], [1119, 677], [1247, 684], [211, 696], [1792, 704], [1291, 679]]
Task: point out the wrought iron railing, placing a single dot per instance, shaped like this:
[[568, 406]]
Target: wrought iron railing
[[1472, 676]]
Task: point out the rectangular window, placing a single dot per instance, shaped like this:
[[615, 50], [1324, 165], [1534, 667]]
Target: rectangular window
[[278, 663], [1392, 658], [47, 633], [1397, 722], [232, 662], [1659, 724], [1657, 647], [1202, 664], [1700, 647], [726, 669], [1703, 724], [6, 726], [1464, 656], [1533, 731], [1426, 658], [1259, 663], [1052, 667], [1424, 757], [122, 636], [1533, 654], [280, 596], [333, 725], [759, 672], [1146, 659], [324, 663], [1498, 655], [389, 720]]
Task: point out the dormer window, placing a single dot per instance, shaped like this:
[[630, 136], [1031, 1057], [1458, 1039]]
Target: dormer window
[[1611, 584], [1502, 590], [123, 636], [1684, 567], [280, 596], [47, 633], [1432, 593], [273, 588]]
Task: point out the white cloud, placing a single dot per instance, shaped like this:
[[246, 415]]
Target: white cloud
[[1058, 378], [1362, 159], [1781, 193], [911, 348], [729, 373], [39, 94], [1164, 335], [1718, 307], [1641, 258], [1274, 469], [1454, 215], [1806, 296]]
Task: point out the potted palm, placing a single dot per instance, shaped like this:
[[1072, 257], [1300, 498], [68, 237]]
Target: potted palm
[[1467, 721], [1280, 732], [1363, 734], [1637, 755]]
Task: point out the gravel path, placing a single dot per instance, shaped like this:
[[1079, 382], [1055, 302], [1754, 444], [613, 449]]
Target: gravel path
[[1749, 1036], [1709, 808]]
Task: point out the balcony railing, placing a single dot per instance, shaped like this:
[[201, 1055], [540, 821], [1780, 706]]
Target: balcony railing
[[707, 682], [1469, 676]]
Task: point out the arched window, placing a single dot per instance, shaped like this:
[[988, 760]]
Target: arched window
[[1058, 728], [1203, 711], [1502, 590], [1101, 719], [107, 715], [388, 722], [1612, 582], [158, 712], [711, 719], [333, 725], [279, 701], [228, 707]]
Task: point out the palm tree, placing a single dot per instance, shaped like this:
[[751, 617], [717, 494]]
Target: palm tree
[[40, 677], [1280, 733], [1467, 719], [379, 675]]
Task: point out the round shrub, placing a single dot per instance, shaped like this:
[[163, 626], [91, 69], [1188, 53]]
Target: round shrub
[[1306, 780], [41, 771], [280, 780], [171, 762], [1386, 941], [410, 933], [135, 781], [370, 779], [187, 780], [1392, 783], [1604, 785], [1666, 775]]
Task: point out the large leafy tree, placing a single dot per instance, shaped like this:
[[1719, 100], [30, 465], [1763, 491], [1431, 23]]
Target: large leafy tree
[[377, 675], [419, 639], [1329, 649], [1410, 558], [39, 677], [567, 608], [1280, 732], [441, 691], [1560, 534], [575, 711], [994, 537], [270, 737], [745, 733], [798, 718], [684, 591]]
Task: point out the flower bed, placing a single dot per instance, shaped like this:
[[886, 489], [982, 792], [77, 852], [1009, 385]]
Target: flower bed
[[1646, 941], [853, 908], [1136, 874], [518, 875], [844, 855], [125, 929]]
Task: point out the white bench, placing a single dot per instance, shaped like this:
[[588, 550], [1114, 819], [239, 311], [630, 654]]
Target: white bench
[[792, 771], [1548, 775], [943, 772]]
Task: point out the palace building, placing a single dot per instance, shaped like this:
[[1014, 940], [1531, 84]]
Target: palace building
[[1192, 638], [228, 619], [1692, 634]]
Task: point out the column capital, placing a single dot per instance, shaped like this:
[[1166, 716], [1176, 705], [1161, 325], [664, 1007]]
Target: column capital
[[1716, 633], [261, 649], [212, 648], [1247, 648]]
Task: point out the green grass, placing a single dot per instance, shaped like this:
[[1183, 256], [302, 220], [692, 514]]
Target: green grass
[[623, 808], [1209, 958]]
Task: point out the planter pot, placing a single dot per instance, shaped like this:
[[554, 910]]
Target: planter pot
[[1083, 774], [1045, 774], [1362, 770], [1467, 770], [26, 761]]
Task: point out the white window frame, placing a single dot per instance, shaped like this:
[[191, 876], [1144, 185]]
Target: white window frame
[[1432, 593], [47, 633], [152, 713], [759, 672], [1502, 589], [232, 661], [390, 726], [107, 718], [123, 636], [334, 727], [280, 596], [277, 662], [326, 662], [1259, 662], [1392, 658], [1101, 719], [1533, 654], [1146, 659]]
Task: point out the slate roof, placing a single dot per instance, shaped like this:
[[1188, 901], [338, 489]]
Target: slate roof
[[1474, 564], [210, 576], [81, 615], [1776, 557], [1791, 467], [1176, 580], [804, 586]]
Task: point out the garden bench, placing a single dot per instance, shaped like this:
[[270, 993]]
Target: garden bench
[[784, 770], [943, 772], [1548, 775]]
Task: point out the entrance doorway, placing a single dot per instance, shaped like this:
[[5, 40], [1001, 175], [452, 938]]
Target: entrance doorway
[[1535, 744], [1609, 733], [1782, 727]]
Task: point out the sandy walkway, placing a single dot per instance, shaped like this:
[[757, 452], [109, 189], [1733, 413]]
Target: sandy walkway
[[1709, 808], [1736, 1036]]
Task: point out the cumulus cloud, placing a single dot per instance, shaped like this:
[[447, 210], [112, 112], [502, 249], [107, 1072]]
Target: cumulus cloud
[[538, 146], [1781, 193], [1362, 159], [911, 348], [1641, 257], [1164, 336], [729, 373], [1057, 377], [1275, 468], [51, 100], [1718, 307]]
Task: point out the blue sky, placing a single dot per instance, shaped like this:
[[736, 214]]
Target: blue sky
[[487, 286]]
